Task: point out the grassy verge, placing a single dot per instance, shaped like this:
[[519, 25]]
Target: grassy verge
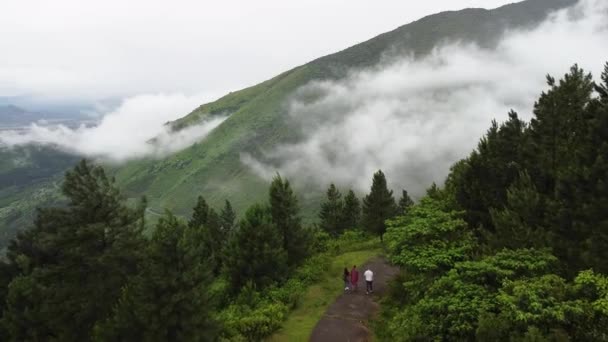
[[319, 296]]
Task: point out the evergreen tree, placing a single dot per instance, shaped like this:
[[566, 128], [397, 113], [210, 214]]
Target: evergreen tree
[[602, 88], [168, 300], [485, 175], [227, 217], [405, 202], [209, 223], [520, 223], [378, 206], [331, 212], [285, 215], [74, 262], [200, 213], [255, 252], [351, 213]]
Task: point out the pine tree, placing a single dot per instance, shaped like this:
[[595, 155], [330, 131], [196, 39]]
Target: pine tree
[[200, 213], [285, 215], [74, 262], [519, 224], [351, 213], [331, 212], [168, 300], [227, 217], [378, 206], [209, 223], [602, 88], [405, 202], [255, 251]]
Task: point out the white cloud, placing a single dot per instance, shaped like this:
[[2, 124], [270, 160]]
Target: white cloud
[[67, 50], [414, 118], [135, 129]]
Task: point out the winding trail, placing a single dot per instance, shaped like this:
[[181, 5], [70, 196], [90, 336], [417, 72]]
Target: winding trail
[[347, 318]]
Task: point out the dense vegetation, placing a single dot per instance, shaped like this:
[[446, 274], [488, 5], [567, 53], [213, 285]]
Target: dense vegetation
[[514, 246], [87, 270]]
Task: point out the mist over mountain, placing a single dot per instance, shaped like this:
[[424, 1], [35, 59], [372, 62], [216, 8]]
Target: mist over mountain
[[410, 101], [414, 117]]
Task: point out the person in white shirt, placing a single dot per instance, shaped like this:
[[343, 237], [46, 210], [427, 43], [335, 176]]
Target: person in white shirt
[[369, 280]]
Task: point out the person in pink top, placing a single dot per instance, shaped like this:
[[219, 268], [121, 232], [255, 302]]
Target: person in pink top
[[354, 278]]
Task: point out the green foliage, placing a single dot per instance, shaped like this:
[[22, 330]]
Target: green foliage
[[227, 218], [284, 212], [378, 206], [536, 197], [543, 184], [351, 213], [428, 239], [453, 304], [519, 224], [330, 214], [256, 313], [255, 252], [79, 256], [208, 224], [405, 202], [169, 299], [200, 213]]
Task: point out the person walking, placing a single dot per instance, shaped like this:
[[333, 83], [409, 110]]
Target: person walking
[[354, 278], [345, 277], [369, 281]]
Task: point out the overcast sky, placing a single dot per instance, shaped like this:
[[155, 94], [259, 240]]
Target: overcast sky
[[89, 51]]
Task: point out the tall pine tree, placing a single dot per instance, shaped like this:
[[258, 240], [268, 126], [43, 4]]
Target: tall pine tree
[[168, 300], [405, 202], [209, 223], [331, 212], [255, 251], [227, 217], [74, 262], [285, 215], [378, 206], [351, 212]]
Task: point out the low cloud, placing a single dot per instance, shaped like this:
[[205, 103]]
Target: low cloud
[[413, 118], [135, 129]]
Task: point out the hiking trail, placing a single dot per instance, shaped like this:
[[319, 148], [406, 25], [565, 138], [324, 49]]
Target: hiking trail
[[346, 320]]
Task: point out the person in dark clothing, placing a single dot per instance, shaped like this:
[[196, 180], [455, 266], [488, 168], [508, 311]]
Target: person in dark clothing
[[346, 279]]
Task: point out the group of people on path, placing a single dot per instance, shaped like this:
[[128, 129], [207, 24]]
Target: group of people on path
[[351, 280]]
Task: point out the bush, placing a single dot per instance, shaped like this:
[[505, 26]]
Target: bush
[[241, 323]]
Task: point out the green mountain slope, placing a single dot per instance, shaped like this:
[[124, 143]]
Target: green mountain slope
[[29, 178], [213, 168]]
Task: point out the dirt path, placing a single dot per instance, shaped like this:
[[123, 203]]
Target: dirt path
[[346, 319]]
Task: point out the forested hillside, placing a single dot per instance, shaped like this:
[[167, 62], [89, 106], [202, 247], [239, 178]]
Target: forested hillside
[[513, 247]]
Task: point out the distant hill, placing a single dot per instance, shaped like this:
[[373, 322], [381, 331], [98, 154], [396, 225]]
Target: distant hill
[[15, 116]]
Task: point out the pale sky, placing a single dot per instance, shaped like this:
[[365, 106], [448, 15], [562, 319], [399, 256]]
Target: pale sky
[[91, 51]]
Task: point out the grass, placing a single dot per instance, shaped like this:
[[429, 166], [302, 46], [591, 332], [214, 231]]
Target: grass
[[318, 297]]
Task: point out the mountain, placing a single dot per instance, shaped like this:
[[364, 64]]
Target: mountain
[[257, 114], [257, 123], [11, 115]]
